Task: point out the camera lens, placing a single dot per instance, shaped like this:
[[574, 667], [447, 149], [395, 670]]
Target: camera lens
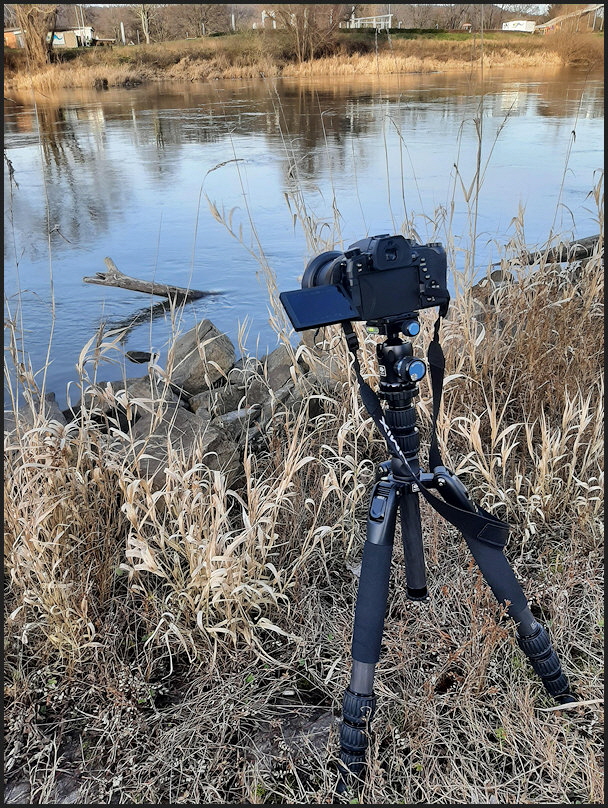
[[322, 270]]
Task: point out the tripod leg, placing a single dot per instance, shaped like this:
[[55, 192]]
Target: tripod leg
[[359, 700], [413, 550], [532, 637]]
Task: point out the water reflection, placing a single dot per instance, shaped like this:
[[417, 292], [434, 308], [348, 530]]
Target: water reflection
[[148, 314], [68, 204], [124, 173]]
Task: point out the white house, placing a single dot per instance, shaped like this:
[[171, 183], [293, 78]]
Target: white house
[[519, 25]]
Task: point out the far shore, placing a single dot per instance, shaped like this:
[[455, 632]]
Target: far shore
[[243, 56]]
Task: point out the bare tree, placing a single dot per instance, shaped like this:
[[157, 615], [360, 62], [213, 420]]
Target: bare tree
[[481, 15], [107, 20], [68, 16], [10, 15], [522, 10], [421, 15], [456, 14], [198, 19], [310, 26], [493, 16], [245, 14], [146, 14], [36, 22]]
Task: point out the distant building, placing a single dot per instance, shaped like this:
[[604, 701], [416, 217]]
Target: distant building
[[379, 22], [519, 25], [73, 38], [13, 38]]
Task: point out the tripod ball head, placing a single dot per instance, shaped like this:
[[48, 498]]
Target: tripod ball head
[[397, 363]]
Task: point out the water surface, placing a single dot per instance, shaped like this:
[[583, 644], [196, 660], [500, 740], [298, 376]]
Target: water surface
[[293, 168]]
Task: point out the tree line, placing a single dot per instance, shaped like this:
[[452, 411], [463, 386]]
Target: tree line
[[307, 27]]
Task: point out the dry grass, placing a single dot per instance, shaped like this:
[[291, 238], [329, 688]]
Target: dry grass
[[155, 639], [387, 64], [183, 645], [249, 55]]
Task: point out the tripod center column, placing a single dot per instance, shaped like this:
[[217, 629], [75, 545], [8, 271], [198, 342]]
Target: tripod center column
[[399, 371]]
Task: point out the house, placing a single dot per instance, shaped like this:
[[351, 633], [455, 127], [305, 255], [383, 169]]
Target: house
[[529, 26], [73, 38], [13, 38]]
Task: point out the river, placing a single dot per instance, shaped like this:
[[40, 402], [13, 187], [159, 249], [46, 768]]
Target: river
[[156, 176]]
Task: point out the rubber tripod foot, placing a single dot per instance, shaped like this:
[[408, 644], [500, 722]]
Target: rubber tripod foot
[[357, 712], [544, 660]]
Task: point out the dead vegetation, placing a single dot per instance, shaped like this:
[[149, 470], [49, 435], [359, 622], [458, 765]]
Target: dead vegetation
[[191, 645], [254, 54]]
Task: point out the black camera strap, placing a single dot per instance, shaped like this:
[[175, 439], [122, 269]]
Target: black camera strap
[[437, 371], [474, 524]]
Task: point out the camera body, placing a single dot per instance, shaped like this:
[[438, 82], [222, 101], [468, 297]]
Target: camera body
[[380, 279]]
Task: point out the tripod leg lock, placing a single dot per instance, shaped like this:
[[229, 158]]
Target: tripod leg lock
[[544, 660], [357, 712]]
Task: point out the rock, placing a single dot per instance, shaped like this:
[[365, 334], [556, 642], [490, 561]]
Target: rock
[[144, 392], [326, 367], [277, 367], [248, 392], [52, 411], [328, 374], [219, 401], [245, 366], [285, 396], [485, 290], [199, 439], [134, 397], [18, 793], [201, 358], [139, 357], [236, 423], [317, 341], [25, 417], [66, 790]]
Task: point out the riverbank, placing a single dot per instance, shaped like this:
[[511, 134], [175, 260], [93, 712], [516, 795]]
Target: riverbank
[[188, 642], [253, 54]]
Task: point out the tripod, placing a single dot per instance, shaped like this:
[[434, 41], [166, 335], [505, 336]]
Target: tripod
[[398, 485]]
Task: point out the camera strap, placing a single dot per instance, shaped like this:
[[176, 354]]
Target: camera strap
[[437, 371], [477, 523]]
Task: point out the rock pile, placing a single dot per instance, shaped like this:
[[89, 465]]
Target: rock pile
[[205, 405]]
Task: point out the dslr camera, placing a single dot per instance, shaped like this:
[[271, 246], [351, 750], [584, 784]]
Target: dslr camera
[[382, 279]]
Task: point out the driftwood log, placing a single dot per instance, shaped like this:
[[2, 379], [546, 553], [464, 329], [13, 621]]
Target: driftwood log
[[114, 277], [571, 251], [565, 251]]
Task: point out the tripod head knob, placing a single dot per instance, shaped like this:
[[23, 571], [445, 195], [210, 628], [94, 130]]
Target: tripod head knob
[[411, 327], [410, 369]]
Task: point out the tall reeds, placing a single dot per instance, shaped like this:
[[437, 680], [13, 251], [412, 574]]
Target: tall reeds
[[173, 633], [254, 54]]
